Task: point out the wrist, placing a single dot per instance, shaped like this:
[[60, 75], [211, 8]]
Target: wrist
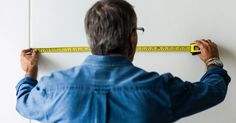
[[210, 59], [215, 61], [33, 72]]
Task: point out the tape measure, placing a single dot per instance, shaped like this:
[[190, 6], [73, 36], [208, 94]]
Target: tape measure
[[193, 48]]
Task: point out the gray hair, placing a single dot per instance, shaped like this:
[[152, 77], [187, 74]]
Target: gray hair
[[109, 25]]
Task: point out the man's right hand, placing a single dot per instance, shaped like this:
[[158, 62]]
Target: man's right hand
[[29, 62], [208, 49]]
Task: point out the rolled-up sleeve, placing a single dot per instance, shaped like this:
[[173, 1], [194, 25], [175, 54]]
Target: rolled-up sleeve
[[189, 98], [30, 99]]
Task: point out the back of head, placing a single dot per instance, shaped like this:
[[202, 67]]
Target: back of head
[[108, 25]]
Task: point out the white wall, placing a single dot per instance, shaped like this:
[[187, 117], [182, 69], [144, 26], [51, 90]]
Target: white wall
[[167, 22], [13, 38]]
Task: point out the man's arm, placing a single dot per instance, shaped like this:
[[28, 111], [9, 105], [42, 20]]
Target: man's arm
[[30, 96], [189, 98]]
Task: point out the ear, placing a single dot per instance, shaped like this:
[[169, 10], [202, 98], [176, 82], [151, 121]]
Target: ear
[[133, 40], [132, 45]]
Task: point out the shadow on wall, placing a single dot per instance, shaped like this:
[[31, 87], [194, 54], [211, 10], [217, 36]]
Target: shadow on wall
[[47, 64], [228, 56]]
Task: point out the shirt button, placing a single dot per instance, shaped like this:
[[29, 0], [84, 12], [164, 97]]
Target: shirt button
[[37, 88]]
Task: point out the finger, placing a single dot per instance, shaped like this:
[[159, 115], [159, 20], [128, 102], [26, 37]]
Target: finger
[[214, 44], [205, 43], [211, 43], [209, 40], [34, 52], [26, 50], [199, 44], [29, 53]]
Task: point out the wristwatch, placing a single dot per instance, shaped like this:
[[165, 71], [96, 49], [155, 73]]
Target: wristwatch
[[216, 62]]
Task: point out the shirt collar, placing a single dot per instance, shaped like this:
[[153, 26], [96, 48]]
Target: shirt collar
[[113, 60]]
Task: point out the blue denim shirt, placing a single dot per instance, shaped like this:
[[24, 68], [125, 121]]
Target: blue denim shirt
[[110, 89]]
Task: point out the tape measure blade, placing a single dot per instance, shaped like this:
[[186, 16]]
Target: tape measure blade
[[163, 48], [138, 49], [63, 49]]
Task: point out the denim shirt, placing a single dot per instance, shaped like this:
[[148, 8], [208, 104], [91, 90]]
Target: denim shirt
[[110, 89]]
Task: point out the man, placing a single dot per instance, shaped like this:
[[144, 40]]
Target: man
[[108, 88]]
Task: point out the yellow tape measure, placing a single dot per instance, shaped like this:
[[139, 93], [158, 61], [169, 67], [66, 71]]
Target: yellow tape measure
[[193, 48]]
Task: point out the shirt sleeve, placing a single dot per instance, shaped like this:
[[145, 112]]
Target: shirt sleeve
[[189, 98], [30, 99]]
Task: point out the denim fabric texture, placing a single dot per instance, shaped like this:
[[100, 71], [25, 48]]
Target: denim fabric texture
[[110, 89]]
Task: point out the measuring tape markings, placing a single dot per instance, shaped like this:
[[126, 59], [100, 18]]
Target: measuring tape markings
[[192, 49], [162, 48]]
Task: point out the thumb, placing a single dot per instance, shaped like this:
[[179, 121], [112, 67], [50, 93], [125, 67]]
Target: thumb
[[35, 53]]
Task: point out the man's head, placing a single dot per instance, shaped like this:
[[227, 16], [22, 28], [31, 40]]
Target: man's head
[[110, 26]]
